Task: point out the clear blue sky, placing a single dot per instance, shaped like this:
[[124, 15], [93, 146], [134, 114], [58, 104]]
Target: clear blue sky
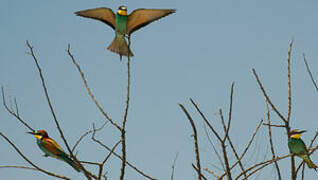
[[196, 53]]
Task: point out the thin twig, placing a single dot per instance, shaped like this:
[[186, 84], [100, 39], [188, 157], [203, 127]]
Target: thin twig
[[15, 114], [174, 165], [226, 160], [123, 128], [246, 148], [20, 167], [262, 164], [266, 96], [197, 170], [230, 111], [206, 120], [117, 155], [31, 163], [236, 156], [89, 90], [309, 72], [274, 125], [211, 172], [214, 149], [84, 135], [101, 165], [271, 141], [195, 137], [289, 80]]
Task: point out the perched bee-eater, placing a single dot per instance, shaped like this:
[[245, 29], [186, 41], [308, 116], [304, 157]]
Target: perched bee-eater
[[124, 24], [298, 147], [52, 149]]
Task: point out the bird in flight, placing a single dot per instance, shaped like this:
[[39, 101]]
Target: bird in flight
[[123, 24]]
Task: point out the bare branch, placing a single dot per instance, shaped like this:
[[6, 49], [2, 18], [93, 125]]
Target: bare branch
[[84, 135], [206, 120], [214, 149], [20, 167], [211, 172], [309, 72], [47, 96], [226, 161], [89, 90], [247, 147], [267, 98], [289, 80], [123, 128], [195, 137], [262, 165], [230, 112], [274, 125], [15, 114], [236, 156], [173, 165], [101, 165], [197, 170], [31, 163], [118, 156], [271, 141]]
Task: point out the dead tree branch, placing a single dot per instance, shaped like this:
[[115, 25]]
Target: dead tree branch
[[195, 137], [310, 74], [31, 163]]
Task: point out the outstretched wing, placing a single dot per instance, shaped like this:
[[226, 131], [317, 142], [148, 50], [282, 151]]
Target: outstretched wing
[[141, 17], [103, 14]]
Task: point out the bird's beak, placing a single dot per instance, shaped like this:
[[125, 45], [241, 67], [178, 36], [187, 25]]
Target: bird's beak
[[302, 131], [33, 133]]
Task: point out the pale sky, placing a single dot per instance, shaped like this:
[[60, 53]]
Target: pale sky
[[196, 52]]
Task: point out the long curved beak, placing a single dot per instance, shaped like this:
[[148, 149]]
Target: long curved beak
[[302, 131]]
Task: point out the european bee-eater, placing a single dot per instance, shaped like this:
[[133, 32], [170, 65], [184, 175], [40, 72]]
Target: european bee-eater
[[52, 149], [298, 147], [124, 24]]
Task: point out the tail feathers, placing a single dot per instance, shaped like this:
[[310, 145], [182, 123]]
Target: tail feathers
[[69, 161], [119, 46], [310, 163]]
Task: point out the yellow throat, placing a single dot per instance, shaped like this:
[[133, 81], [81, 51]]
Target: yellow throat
[[295, 136], [122, 12], [38, 137]]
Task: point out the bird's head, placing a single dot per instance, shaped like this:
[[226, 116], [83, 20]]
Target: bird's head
[[122, 10], [296, 133], [39, 134]]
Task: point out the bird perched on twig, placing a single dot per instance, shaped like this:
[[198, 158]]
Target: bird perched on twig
[[298, 147], [52, 149], [124, 24]]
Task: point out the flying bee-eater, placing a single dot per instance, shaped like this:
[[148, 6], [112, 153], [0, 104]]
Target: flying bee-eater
[[52, 149], [124, 24], [298, 147]]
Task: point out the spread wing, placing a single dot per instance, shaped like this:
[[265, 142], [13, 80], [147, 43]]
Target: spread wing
[[141, 17], [103, 14]]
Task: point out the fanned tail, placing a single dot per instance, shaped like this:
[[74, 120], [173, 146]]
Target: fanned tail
[[120, 46]]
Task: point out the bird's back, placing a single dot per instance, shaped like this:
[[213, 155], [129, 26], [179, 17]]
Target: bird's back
[[297, 146]]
